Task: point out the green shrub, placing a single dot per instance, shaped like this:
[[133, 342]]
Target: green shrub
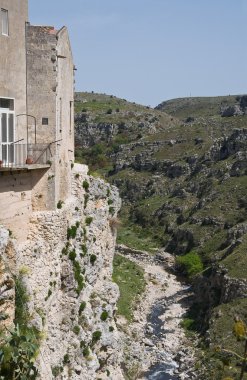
[[109, 111], [84, 249], [104, 315], [56, 370], [86, 352], [72, 255], [110, 202], [88, 220], [71, 232], [111, 328], [82, 307], [48, 295], [21, 299], [190, 264], [19, 349], [96, 336], [86, 198], [111, 210], [66, 359], [188, 324], [17, 355], [65, 249], [76, 330], [85, 185], [93, 258], [60, 204], [78, 277], [82, 344]]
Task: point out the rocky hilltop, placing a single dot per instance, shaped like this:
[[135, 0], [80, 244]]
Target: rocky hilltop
[[181, 172], [58, 284]]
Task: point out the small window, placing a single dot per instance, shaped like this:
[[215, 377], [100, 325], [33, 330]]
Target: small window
[[7, 103], [5, 22], [45, 121]]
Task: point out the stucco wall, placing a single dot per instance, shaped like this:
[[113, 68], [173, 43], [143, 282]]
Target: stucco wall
[[50, 94], [21, 193], [65, 113], [50, 85], [41, 80], [13, 60]]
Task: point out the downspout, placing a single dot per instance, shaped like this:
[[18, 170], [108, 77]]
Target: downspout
[[26, 25]]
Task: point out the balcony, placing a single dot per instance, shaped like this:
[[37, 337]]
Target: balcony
[[24, 156]]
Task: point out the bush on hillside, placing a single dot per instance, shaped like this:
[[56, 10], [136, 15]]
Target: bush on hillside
[[190, 264]]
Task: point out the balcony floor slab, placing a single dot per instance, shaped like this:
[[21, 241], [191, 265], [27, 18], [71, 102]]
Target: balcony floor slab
[[24, 167]]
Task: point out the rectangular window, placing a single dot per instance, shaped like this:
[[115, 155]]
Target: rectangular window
[[5, 22], [7, 103], [45, 121]]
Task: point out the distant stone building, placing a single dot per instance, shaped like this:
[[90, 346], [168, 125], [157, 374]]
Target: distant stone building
[[36, 117]]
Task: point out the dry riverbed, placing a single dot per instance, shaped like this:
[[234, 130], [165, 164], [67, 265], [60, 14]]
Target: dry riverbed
[[156, 347]]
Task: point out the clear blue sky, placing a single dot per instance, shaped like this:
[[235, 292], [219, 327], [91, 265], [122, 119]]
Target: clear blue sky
[[148, 51]]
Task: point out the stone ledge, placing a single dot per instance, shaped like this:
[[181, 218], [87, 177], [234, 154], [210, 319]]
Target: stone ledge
[[24, 168]]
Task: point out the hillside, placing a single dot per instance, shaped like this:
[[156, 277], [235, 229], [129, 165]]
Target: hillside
[[183, 108], [181, 172]]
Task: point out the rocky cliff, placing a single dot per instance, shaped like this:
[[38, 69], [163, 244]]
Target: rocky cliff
[[183, 184], [65, 267]]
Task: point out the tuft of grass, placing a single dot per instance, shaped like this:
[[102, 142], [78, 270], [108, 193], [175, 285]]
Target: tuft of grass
[[104, 315], [88, 220]]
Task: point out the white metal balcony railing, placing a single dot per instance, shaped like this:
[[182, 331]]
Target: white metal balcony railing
[[20, 155]]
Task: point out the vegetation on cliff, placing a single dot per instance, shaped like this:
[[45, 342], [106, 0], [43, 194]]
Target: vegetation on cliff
[[19, 346]]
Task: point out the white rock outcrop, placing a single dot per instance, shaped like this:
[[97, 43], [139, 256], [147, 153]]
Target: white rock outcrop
[[67, 261]]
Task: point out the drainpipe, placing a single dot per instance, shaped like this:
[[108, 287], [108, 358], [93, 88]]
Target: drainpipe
[[26, 25]]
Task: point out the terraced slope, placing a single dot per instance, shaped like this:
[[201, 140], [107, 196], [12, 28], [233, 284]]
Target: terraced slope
[[182, 173]]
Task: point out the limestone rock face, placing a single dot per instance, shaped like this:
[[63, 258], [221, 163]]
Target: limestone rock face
[[72, 300], [7, 284], [231, 111]]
